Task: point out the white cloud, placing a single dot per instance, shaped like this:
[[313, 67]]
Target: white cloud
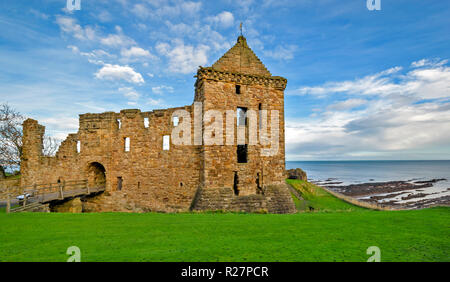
[[130, 93], [155, 102], [94, 57], [104, 16], [98, 53], [117, 40], [160, 9], [136, 52], [39, 14], [74, 49], [224, 19], [378, 84], [91, 106], [347, 104], [117, 72], [141, 11], [160, 90], [184, 58], [201, 33], [70, 26], [60, 123], [428, 62], [405, 116]]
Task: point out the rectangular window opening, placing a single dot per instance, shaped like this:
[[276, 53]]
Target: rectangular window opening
[[146, 122], [119, 183], [127, 144], [238, 89], [78, 146], [241, 116], [166, 142], [242, 151], [119, 123], [235, 184], [176, 120]]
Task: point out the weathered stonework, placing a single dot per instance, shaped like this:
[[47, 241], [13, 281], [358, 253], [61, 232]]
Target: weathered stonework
[[71, 206], [185, 177]]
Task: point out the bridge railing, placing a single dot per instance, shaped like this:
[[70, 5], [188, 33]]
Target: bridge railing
[[48, 192]]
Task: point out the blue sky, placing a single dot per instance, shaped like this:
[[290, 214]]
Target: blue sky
[[361, 84]]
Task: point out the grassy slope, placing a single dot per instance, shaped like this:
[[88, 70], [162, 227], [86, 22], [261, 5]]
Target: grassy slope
[[337, 232], [319, 199]]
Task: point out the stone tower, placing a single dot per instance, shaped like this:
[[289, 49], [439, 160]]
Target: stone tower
[[239, 82]]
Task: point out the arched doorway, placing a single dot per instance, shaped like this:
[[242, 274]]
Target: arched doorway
[[96, 175]]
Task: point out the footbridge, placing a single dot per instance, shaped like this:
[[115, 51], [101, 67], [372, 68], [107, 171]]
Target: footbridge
[[26, 198]]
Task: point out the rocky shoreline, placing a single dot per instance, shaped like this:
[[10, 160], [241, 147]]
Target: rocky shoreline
[[397, 194]]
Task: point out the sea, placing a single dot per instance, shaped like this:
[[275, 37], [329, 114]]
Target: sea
[[357, 172]]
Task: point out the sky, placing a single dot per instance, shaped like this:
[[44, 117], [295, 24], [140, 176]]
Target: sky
[[362, 84]]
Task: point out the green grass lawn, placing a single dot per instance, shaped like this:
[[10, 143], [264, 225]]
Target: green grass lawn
[[334, 232]]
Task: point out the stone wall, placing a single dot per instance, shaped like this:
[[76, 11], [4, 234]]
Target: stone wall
[[71, 206], [273, 199], [152, 178]]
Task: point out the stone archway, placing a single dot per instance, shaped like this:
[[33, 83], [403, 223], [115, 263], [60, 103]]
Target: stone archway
[[96, 175]]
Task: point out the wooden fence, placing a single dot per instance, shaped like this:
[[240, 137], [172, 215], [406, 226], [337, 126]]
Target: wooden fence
[[44, 193]]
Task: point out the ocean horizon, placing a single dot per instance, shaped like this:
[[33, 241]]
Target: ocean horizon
[[366, 171]]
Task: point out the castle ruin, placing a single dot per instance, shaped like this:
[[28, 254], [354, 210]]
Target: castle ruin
[[132, 152]]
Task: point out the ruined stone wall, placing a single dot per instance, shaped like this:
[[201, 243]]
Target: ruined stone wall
[[152, 178], [148, 178]]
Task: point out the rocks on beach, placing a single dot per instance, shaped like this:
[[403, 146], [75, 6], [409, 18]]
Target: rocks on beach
[[377, 188], [296, 173], [385, 192], [430, 181]]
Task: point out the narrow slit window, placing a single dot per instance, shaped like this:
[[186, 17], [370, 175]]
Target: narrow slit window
[[241, 116], [238, 89], [260, 115], [242, 153], [119, 123], [127, 144], [78, 146], [166, 142], [175, 120], [235, 184], [146, 122], [119, 183]]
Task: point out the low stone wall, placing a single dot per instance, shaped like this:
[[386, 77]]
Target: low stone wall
[[276, 199]]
